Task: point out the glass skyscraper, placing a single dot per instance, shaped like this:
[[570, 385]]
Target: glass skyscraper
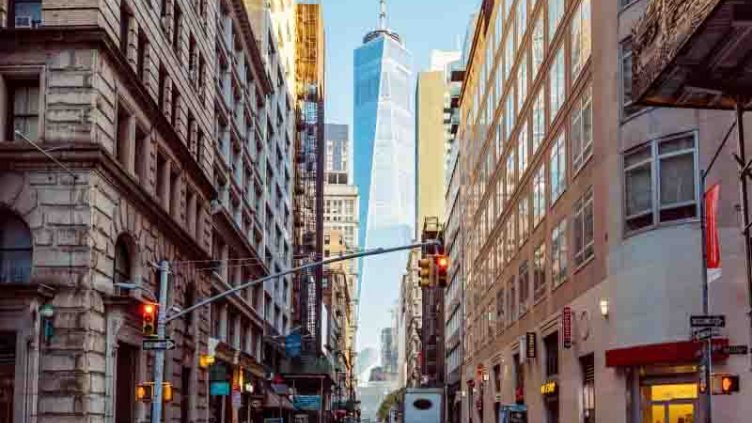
[[384, 151]]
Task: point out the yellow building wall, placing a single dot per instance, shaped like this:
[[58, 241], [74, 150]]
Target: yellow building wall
[[431, 145]]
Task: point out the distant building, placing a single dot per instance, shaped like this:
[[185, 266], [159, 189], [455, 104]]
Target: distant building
[[338, 164], [384, 165]]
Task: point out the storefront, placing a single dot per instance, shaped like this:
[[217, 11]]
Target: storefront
[[663, 379]]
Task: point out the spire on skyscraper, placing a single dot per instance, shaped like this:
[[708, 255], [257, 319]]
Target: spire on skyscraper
[[382, 15]]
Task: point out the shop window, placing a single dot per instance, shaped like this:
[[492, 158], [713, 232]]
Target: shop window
[[587, 364], [497, 378], [7, 375], [25, 14], [519, 380], [660, 180], [15, 249], [668, 401], [23, 108], [551, 343]]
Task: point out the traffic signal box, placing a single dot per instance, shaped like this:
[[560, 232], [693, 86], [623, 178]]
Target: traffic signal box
[[426, 272], [145, 392], [724, 384], [442, 265], [149, 319]]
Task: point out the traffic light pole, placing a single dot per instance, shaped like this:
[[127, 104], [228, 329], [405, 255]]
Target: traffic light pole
[[343, 257], [159, 356]]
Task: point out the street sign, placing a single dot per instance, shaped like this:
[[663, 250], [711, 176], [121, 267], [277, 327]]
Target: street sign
[[736, 350], [707, 321], [158, 344], [703, 334]]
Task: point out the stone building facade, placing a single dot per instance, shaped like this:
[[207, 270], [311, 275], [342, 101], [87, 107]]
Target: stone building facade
[[153, 132]]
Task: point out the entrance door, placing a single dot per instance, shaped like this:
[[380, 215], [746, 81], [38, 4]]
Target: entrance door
[[669, 403], [125, 391], [7, 374]]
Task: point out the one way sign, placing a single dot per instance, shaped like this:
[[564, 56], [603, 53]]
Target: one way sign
[[707, 321], [158, 344]]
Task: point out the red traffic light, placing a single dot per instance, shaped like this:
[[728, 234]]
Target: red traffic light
[[149, 326], [442, 262]]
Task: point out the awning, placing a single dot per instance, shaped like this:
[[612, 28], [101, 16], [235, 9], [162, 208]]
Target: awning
[[666, 353], [276, 401]]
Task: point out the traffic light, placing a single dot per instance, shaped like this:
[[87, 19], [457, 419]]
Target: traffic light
[[145, 392], [442, 265], [725, 384], [425, 272], [149, 313]]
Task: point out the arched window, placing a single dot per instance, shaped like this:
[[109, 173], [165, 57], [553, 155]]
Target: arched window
[[122, 269], [15, 249]]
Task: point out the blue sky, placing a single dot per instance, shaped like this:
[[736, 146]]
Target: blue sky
[[424, 25]]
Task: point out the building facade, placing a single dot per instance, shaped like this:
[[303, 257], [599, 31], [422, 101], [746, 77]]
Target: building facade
[[341, 197], [339, 158], [160, 123], [430, 139], [411, 317], [582, 253]]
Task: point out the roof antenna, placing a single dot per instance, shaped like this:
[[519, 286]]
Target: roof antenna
[[382, 15]]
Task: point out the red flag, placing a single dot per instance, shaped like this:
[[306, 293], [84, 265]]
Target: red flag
[[712, 243]]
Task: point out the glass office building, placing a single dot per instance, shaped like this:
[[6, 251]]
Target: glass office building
[[384, 168]]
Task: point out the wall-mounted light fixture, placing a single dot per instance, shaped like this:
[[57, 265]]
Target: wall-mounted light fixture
[[604, 307], [47, 313]]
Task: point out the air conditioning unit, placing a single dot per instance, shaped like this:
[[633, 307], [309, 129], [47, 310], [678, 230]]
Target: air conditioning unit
[[23, 22]]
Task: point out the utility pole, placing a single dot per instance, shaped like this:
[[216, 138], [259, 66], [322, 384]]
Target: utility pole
[[159, 356]]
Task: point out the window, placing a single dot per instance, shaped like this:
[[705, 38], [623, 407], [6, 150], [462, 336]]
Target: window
[[559, 253], [510, 250], [141, 55], [15, 249], [177, 29], [162, 174], [509, 53], [162, 87], [539, 272], [539, 195], [512, 300], [25, 14], [125, 23], [663, 189], [629, 108], [538, 50], [581, 130], [555, 14], [523, 147], [511, 175], [551, 343], [587, 364], [521, 19], [523, 210], [125, 137], [509, 115], [583, 228], [23, 101], [122, 264], [581, 38], [524, 280], [500, 306], [522, 83], [539, 121], [557, 82], [175, 99], [558, 168]]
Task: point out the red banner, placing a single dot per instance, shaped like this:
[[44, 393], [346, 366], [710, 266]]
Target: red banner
[[712, 243]]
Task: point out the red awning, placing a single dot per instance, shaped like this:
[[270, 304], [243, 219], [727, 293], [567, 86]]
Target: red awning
[[667, 353]]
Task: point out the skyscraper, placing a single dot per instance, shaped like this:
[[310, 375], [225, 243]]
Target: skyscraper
[[384, 167]]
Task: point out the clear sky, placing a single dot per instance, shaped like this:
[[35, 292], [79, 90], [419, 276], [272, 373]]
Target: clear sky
[[424, 25]]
